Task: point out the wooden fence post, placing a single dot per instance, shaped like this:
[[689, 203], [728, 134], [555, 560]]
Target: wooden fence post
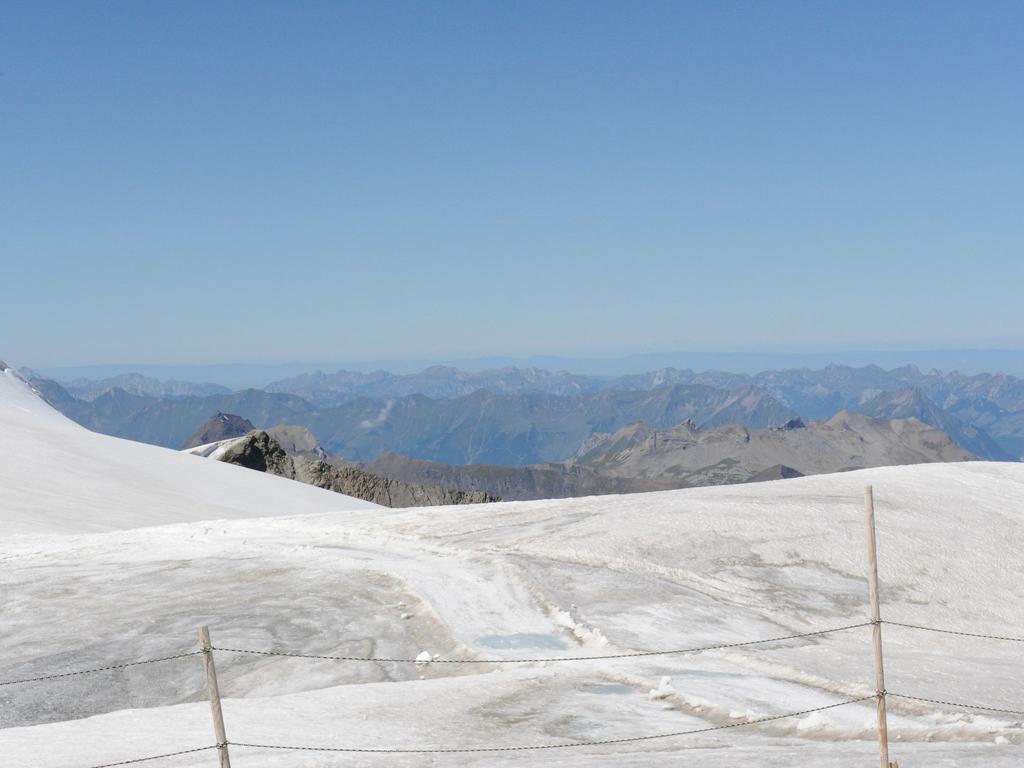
[[876, 629], [214, 692]]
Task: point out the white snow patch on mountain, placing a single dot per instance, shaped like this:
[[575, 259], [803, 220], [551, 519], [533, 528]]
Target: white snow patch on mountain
[[58, 477], [215, 449]]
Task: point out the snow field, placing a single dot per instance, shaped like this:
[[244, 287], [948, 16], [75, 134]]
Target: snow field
[[102, 584]]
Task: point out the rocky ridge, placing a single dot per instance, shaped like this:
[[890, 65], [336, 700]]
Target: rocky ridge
[[261, 451], [638, 457], [733, 453]]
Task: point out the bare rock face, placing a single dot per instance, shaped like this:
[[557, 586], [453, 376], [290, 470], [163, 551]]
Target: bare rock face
[[298, 441], [220, 426], [736, 454], [260, 451], [540, 481], [385, 491]]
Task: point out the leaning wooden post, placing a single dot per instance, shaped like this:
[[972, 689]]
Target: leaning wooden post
[[876, 629], [214, 691]]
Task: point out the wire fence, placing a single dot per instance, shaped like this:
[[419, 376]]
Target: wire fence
[[534, 660], [955, 632], [534, 747], [207, 651], [158, 757], [485, 750], [99, 669], [545, 660], [956, 704]]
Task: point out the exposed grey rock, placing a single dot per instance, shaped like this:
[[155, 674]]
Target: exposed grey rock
[[381, 490], [733, 453], [778, 472], [259, 451], [298, 441], [540, 481]]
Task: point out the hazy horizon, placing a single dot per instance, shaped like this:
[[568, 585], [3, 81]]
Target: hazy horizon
[[249, 374]]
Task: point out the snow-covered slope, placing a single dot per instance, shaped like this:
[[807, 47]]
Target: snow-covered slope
[[56, 476], [587, 576], [546, 578]]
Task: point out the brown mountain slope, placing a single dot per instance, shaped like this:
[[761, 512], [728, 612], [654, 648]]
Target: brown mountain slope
[[733, 453]]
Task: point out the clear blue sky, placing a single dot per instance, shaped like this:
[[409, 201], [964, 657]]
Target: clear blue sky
[[213, 182]]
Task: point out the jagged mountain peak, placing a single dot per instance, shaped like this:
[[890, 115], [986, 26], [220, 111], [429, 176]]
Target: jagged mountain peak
[[909, 396], [220, 426], [733, 453]]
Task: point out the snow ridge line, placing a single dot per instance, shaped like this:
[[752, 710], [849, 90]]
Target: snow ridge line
[[99, 669], [529, 747], [628, 655]]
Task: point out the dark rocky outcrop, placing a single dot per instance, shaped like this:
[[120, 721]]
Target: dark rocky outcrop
[[260, 451], [778, 472], [388, 492]]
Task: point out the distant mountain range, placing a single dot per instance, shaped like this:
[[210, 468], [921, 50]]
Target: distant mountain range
[[480, 427], [511, 416], [133, 384], [983, 412], [640, 458], [256, 375]]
